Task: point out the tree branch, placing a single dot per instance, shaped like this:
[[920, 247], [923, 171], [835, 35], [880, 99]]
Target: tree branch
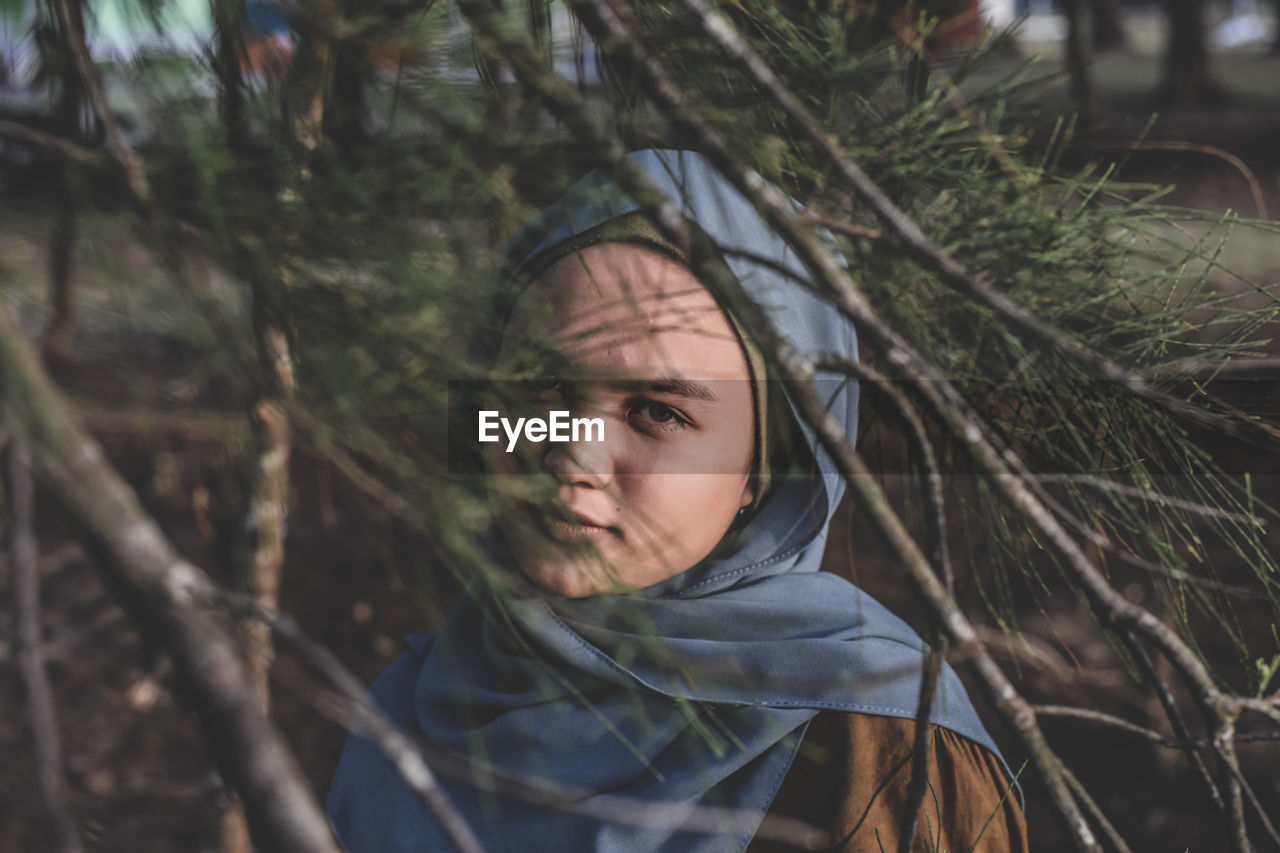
[[564, 102], [920, 248], [30, 647], [73, 29], [56, 145], [161, 592], [1105, 719], [367, 719], [417, 760]]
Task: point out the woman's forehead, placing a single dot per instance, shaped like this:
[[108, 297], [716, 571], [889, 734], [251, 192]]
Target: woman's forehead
[[621, 307], [618, 275]]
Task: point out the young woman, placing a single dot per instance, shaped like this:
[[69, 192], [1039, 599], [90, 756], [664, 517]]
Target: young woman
[[661, 632]]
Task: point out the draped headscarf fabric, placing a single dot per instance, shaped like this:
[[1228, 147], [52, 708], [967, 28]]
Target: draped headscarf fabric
[[695, 691]]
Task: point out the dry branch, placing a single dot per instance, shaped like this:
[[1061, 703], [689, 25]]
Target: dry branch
[[30, 647], [51, 144], [914, 242], [72, 26], [410, 758], [163, 595], [563, 101], [943, 400]]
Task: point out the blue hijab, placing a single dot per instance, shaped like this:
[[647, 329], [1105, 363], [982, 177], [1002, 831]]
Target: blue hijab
[[694, 691]]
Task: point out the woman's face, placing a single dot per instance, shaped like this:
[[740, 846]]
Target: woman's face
[[643, 346]]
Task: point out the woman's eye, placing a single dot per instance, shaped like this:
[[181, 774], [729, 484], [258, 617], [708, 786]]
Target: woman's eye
[[547, 385], [658, 416]]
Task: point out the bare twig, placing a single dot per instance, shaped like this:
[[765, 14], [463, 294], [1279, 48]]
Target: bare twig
[[1259, 202], [1226, 748], [1210, 368], [267, 522], [56, 145], [368, 720], [917, 245], [30, 647], [563, 100], [1150, 495], [1095, 812], [1105, 719], [72, 26], [161, 592], [1171, 710], [922, 749], [410, 757]]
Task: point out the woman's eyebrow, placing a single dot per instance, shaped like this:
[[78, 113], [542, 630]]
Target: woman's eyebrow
[[676, 386]]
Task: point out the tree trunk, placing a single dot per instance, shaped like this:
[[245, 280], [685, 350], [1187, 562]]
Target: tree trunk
[[228, 16], [1105, 25], [1186, 60], [29, 647], [1078, 61], [62, 241]]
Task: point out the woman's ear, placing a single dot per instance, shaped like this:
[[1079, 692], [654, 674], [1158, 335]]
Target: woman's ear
[[748, 494]]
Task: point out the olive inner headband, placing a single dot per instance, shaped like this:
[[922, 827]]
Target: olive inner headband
[[636, 229]]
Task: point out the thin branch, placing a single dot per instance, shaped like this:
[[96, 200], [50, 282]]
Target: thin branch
[[1095, 812], [564, 102], [417, 760], [30, 647], [1105, 719], [1170, 706], [918, 246], [921, 748], [56, 145], [920, 443], [1223, 748], [72, 26], [1211, 368], [161, 592], [1227, 748], [367, 719], [1235, 162], [1150, 495]]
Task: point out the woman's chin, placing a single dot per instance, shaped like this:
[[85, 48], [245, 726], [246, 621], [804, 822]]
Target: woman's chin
[[574, 580]]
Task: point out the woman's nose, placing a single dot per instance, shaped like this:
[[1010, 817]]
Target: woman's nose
[[587, 463]]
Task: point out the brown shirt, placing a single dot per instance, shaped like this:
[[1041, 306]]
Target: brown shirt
[[851, 777]]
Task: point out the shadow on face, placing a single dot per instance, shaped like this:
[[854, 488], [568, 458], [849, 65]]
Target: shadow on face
[[641, 347]]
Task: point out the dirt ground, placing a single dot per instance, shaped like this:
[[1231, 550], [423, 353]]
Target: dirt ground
[[141, 779]]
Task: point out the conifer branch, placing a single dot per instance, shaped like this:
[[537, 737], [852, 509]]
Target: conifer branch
[[563, 101], [941, 396], [612, 36], [916, 243]]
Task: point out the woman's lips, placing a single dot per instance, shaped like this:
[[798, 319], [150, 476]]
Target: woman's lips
[[577, 530], [582, 526]]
